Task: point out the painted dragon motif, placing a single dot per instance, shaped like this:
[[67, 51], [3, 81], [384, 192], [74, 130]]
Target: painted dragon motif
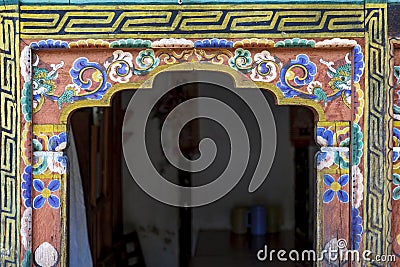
[[341, 77], [340, 82], [43, 84]]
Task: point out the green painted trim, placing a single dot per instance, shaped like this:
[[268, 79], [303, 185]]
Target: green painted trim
[[376, 1], [44, 2], [10, 2]]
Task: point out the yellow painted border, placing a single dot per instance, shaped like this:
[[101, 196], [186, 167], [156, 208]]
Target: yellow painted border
[[377, 223], [289, 13], [10, 8], [49, 128], [191, 7], [334, 123]]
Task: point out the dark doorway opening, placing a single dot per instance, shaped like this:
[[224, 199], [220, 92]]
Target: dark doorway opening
[[126, 227]]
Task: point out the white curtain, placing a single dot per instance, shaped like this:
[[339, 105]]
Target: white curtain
[[79, 242]]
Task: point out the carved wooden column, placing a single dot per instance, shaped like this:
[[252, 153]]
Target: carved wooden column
[[333, 186], [44, 184], [49, 194]]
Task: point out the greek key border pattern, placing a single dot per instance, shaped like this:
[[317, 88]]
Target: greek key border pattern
[[10, 139], [377, 162], [145, 21]]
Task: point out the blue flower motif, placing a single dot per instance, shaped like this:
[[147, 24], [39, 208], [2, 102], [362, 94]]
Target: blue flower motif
[[324, 138], [46, 194], [62, 160], [309, 70], [50, 43], [396, 133], [303, 61], [26, 186], [396, 142], [396, 156], [356, 228], [322, 157], [325, 135], [358, 63], [58, 142], [208, 43], [81, 65], [335, 187]]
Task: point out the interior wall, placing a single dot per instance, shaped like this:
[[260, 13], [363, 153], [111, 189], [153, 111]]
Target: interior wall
[[157, 224], [272, 192]]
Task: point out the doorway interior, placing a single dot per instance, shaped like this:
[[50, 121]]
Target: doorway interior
[[126, 227]]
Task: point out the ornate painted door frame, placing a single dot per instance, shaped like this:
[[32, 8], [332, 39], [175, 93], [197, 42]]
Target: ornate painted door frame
[[47, 48]]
